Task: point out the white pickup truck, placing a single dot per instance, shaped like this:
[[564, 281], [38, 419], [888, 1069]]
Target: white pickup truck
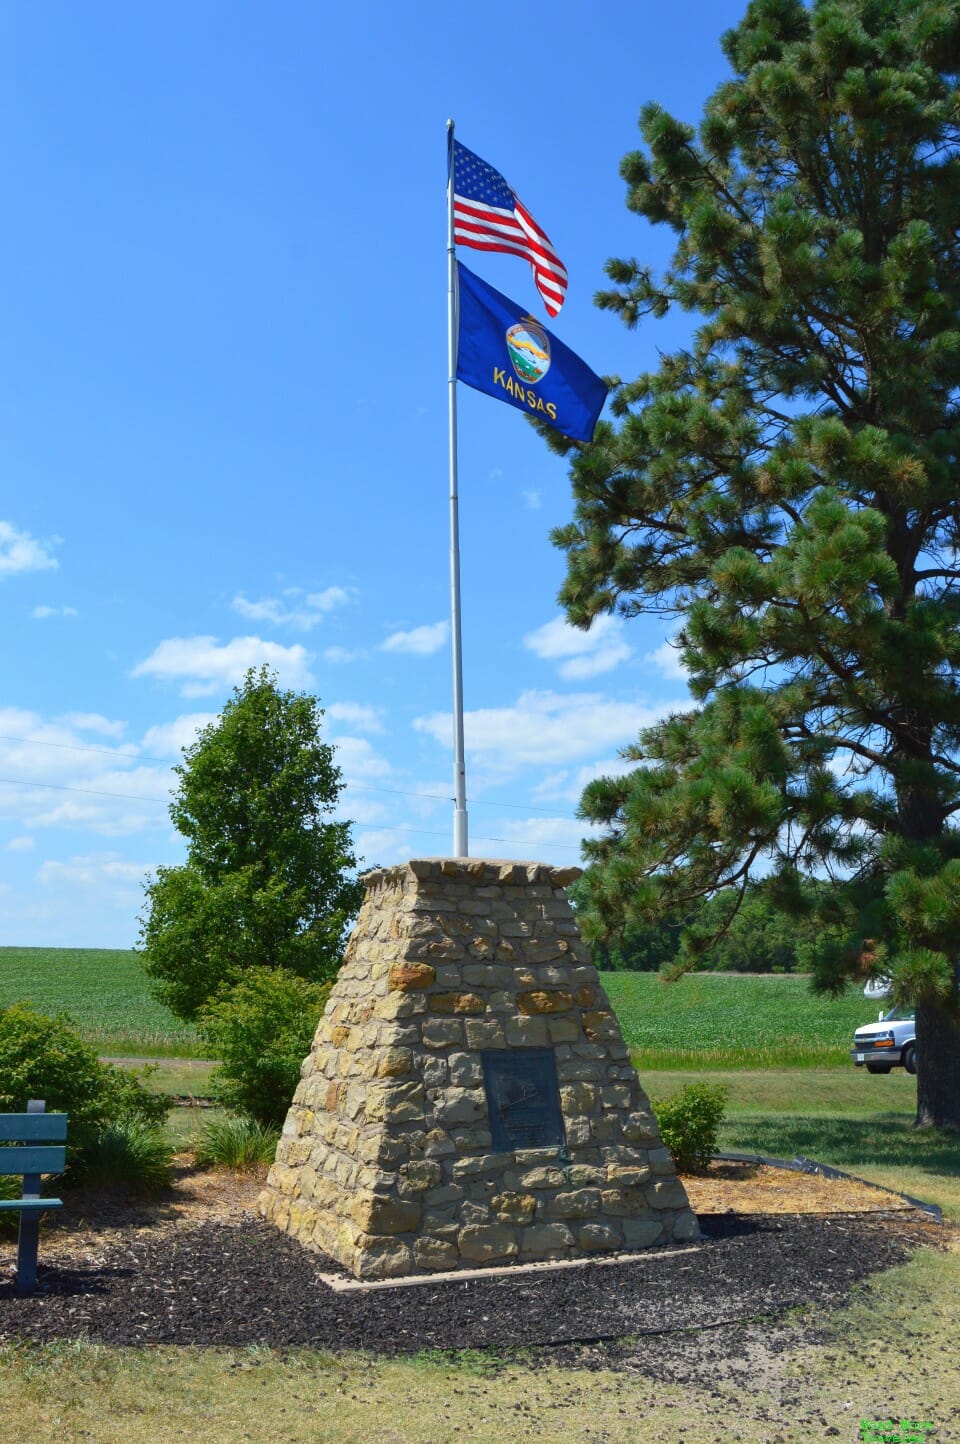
[[891, 1042]]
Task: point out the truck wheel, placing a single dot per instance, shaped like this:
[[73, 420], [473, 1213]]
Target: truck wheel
[[910, 1057], [879, 1067]]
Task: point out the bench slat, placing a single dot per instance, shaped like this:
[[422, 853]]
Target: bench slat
[[33, 1127], [28, 1205], [33, 1159]]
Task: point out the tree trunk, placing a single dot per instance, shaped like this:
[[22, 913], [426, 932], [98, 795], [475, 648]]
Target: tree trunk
[[938, 1066]]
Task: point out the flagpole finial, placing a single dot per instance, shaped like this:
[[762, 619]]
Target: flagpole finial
[[449, 125]]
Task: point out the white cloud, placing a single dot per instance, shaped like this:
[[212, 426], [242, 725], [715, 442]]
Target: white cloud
[[545, 729], [20, 552], [358, 761], [421, 641], [59, 777], [169, 739], [204, 664], [42, 612], [295, 609], [580, 654], [93, 869], [354, 714], [532, 500], [568, 786], [387, 846], [343, 654], [20, 844], [551, 834], [666, 659], [94, 722]]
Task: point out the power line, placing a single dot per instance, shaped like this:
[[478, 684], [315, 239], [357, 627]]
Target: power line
[[374, 826], [354, 786]]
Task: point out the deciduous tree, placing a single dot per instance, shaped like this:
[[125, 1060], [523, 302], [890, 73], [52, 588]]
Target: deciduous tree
[[268, 881]]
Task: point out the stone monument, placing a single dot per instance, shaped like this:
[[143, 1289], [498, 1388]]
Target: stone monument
[[469, 1099]]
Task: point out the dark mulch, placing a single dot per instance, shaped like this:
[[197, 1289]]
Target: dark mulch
[[242, 1284]]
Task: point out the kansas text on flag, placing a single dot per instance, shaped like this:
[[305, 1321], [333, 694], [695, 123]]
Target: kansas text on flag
[[509, 355], [490, 217]]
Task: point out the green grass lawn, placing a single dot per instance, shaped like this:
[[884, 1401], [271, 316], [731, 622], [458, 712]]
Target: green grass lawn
[[104, 991], [715, 1020]]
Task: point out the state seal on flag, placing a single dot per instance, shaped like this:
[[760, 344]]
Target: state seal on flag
[[528, 346]]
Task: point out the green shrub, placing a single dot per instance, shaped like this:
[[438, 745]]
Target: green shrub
[[239, 1143], [261, 1029], [690, 1124], [43, 1057], [135, 1154]]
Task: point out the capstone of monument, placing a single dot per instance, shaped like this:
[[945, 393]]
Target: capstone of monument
[[468, 1099]]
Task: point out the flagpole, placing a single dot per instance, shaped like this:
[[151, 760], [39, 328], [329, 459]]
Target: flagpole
[[459, 766]]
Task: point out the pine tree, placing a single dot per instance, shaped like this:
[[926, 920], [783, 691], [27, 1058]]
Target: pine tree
[[788, 485]]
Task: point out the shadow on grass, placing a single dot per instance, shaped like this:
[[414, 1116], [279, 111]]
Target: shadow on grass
[[886, 1140]]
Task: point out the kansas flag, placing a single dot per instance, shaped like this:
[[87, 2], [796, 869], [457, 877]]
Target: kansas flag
[[509, 355]]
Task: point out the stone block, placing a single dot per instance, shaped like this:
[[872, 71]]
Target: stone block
[[543, 1239], [466, 1168], [668, 1193], [578, 1098], [411, 977], [578, 1070], [434, 1070], [542, 1000], [527, 1032], [642, 1232], [471, 1138], [484, 1033], [400, 1005], [480, 1243], [443, 1033], [625, 1175], [395, 1062], [461, 1105], [458, 1003], [599, 1237], [403, 1102], [600, 1023], [514, 1207], [420, 1174], [382, 1258], [465, 1070], [574, 1203], [563, 1030], [543, 1178], [685, 1228], [385, 1215], [438, 1144], [445, 1193], [434, 1254], [641, 1129]]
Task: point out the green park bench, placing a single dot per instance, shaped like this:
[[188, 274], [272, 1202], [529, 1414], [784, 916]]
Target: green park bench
[[30, 1134]]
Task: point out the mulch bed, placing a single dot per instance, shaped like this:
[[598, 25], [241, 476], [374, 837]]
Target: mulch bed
[[237, 1282]]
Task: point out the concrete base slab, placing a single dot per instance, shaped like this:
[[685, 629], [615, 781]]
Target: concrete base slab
[[341, 1285]]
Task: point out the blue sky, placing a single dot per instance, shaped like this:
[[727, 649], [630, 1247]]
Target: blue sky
[[223, 415]]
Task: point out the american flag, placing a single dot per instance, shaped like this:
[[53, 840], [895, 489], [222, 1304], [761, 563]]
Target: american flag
[[488, 216]]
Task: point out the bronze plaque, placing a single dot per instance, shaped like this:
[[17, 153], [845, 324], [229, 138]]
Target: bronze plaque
[[523, 1098]]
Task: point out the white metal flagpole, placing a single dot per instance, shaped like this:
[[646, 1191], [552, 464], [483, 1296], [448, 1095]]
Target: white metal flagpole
[[453, 320]]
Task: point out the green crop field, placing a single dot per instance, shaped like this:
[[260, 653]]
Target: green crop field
[[713, 1020], [104, 991], [718, 1020]]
